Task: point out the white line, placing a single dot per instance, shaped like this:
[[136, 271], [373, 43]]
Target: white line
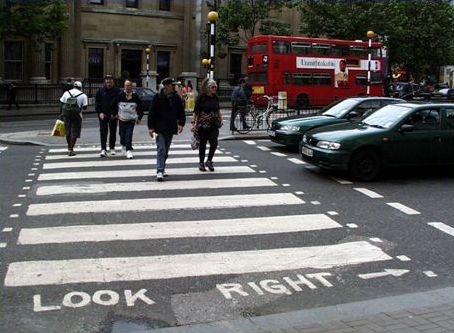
[[430, 274], [296, 161], [341, 181], [208, 202], [140, 173], [117, 149], [442, 227], [279, 154], [59, 272], [7, 229], [402, 208], [367, 192], [249, 142], [263, 148], [3, 148], [160, 230], [154, 186], [113, 163]]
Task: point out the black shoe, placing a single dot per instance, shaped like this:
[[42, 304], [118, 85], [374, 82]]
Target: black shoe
[[209, 165], [202, 167]]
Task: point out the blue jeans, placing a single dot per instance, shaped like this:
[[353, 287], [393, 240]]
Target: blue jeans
[[126, 130], [163, 142]]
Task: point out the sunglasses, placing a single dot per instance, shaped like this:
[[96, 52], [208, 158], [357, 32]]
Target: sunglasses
[[213, 87]]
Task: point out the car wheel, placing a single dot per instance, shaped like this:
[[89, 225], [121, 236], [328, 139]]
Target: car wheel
[[365, 165]]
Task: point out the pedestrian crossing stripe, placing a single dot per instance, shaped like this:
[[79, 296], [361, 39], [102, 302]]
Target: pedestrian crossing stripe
[[117, 149], [180, 229], [104, 270], [115, 174], [153, 204], [2, 148], [124, 162]]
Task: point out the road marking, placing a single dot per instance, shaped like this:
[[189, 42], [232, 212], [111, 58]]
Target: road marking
[[7, 229], [341, 181], [315, 202], [263, 148], [403, 258], [181, 229], [155, 186], [296, 161], [140, 173], [59, 272], [387, 272], [403, 208], [250, 142], [332, 213], [3, 245], [2, 148], [208, 202], [376, 240], [442, 227], [14, 216], [117, 149], [369, 193], [17, 205], [430, 274], [352, 225], [279, 154]]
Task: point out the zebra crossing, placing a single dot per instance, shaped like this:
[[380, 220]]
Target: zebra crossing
[[73, 195]]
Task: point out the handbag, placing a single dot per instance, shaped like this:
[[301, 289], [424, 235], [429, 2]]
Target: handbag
[[59, 128], [195, 142]]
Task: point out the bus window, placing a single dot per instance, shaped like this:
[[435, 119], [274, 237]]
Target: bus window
[[361, 80], [301, 48], [301, 79], [358, 51], [281, 47], [258, 48], [286, 78], [375, 78], [322, 49], [340, 50], [322, 79], [258, 77]]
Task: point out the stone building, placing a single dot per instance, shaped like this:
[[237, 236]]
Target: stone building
[[121, 37]]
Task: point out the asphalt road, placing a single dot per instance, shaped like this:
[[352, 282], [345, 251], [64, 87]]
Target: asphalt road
[[263, 234]]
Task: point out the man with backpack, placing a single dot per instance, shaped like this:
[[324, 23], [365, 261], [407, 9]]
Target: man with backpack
[[74, 101]]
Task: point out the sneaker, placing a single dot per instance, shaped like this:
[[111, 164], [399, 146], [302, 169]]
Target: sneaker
[[202, 167], [112, 151], [103, 153], [164, 174], [159, 177], [129, 155], [123, 150], [209, 165], [71, 153]]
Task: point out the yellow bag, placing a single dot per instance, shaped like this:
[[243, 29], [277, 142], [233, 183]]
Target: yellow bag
[[59, 128]]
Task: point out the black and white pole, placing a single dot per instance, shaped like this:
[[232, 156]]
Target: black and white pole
[[147, 51], [370, 35], [212, 18]]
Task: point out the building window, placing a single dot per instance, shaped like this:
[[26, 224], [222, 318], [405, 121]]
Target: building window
[[162, 64], [164, 5], [132, 3], [96, 2], [48, 59], [14, 61], [95, 63]]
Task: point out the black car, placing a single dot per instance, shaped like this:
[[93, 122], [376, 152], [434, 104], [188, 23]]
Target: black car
[[146, 95]]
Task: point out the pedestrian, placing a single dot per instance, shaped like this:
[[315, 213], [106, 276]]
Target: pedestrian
[[239, 105], [206, 121], [187, 88], [74, 101], [11, 93], [166, 118], [108, 121], [127, 107], [247, 88]]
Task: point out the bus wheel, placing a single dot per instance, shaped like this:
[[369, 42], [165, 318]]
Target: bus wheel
[[302, 101]]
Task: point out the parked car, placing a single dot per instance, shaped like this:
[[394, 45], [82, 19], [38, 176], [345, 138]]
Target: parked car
[[289, 131], [446, 94], [146, 95], [407, 91], [398, 135]]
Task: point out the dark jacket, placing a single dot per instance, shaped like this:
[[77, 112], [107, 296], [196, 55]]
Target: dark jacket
[[166, 113], [105, 99], [127, 105], [239, 97]]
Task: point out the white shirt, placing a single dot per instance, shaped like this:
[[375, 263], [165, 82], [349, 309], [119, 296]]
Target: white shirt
[[82, 100]]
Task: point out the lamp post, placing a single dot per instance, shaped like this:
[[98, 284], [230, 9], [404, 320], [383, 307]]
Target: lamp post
[[147, 51], [370, 35], [212, 18]]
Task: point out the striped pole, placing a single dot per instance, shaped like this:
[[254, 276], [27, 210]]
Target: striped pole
[[370, 34], [212, 18]]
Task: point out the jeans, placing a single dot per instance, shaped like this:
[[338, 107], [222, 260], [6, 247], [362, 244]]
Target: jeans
[[126, 130], [163, 142], [212, 137], [107, 125], [235, 110]]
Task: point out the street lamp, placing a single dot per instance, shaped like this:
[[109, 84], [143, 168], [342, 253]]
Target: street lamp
[[212, 18], [147, 51], [370, 35]]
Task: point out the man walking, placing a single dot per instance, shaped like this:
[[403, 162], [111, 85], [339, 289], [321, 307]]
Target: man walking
[[105, 110], [165, 119], [74, 101], [239, 105]]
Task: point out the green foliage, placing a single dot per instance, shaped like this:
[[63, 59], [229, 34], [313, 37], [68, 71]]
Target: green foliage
[[419, 34], [32, 18]]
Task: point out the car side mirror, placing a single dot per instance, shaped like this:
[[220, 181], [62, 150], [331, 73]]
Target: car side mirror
[[406, 128]]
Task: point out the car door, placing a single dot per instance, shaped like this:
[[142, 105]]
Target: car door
[[447, 136]]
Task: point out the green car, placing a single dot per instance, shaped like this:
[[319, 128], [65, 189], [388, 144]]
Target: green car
[[397, 135], [289, 131]]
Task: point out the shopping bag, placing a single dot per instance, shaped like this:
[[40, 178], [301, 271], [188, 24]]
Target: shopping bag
[[59, 128]]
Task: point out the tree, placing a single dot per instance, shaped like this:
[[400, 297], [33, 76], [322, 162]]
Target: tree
[[32, 18], [419, 34]]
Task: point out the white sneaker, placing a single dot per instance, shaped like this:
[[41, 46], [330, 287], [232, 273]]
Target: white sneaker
[[103, 153], [112, 151], [123, 150], [164, 174], [159, 177], [129, 155]]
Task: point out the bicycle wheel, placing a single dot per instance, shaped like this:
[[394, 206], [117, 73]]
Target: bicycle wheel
[[269, 118]]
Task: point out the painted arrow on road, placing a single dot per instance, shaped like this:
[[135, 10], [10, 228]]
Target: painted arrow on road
[[393, 272]]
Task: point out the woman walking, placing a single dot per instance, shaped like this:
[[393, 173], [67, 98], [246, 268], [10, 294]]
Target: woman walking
[[206, 121]]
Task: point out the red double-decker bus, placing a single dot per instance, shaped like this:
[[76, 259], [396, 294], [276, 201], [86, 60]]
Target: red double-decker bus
[[313, 71]]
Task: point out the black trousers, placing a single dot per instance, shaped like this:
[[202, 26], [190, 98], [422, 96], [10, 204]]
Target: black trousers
[[126, 131], [210, 136], [242, 110], [107, 125]]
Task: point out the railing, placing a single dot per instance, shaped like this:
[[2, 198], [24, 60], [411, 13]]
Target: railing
[[34, 94]]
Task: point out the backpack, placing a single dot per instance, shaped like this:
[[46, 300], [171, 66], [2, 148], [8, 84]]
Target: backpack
[[71, 108]]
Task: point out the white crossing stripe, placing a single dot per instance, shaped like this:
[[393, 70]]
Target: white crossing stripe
[[59, 272], [249, 142], [155, 186], [279, 154], [296, 161], [182, 229], [443, 227], [367, 192], [2, 148], [140, 173], [208, 202], [403, 208], [112, 163], [263, 148], [117, 149]]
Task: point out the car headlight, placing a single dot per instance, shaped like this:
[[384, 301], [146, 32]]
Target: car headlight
[[328, 145], [304, 138], [289, 128]]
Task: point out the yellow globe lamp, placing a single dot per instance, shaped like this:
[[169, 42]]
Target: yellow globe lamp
[[206, 62], [148, 50], [370, 34], [213, 16]]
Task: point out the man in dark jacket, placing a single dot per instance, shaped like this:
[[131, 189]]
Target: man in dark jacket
[[107, 120], [166, 118]]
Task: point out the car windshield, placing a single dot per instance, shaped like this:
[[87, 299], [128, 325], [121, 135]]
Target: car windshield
[[387, 116], [339, 109]]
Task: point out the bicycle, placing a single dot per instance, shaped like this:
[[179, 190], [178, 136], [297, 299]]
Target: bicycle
[[255, 118]]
